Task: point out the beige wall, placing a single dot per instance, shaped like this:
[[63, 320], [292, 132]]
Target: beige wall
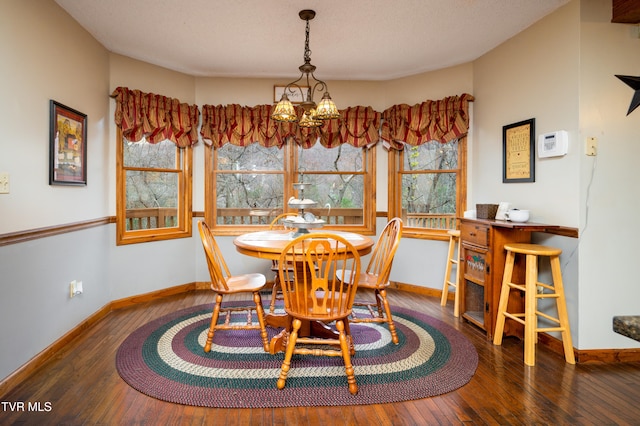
[[608, 185], [47, 55], [560, 72], [533, 75]]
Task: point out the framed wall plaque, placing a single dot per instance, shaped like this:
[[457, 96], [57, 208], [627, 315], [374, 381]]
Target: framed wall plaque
[[518, 152], [67, 146]]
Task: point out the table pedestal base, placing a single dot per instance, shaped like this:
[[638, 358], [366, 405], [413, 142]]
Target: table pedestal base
[[319, 329]]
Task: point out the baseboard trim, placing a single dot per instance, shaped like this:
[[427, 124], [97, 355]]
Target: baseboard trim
[[147, 297], [411, 288]]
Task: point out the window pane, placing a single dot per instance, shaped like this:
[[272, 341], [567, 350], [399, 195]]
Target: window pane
[[339, 197], [252, 157], [246, 198], [342, 158], [429, 199], [244, 190], [431, 156], [144, 154], [336, 190], [151, 199]]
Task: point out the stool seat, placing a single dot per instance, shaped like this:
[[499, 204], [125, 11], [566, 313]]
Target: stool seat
[[533, 291], [537, 249], [452, 259]]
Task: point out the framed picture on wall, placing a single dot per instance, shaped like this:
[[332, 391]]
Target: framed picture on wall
[[67, 145], [518, 152]]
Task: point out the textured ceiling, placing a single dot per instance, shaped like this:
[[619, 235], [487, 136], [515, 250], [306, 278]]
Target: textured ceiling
[[349, 40]]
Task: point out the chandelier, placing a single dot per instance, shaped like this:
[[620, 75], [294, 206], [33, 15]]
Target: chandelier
[[313, 114]]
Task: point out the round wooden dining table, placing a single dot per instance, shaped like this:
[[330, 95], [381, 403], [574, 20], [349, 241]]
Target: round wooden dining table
[[269, 245]]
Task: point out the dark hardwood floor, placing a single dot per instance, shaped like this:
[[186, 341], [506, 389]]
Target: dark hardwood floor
[[82, 387]]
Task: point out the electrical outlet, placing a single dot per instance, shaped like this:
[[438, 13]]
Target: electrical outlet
[[75, 288], [4, 183]]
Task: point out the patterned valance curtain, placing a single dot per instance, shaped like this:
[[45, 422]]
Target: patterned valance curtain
[[240, 125], [155, 117], [442, 121]]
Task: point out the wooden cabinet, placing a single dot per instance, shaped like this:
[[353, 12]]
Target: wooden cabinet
[[482, 265]]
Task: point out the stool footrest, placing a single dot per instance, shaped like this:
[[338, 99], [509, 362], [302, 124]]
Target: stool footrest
[[547, 295], [538, 330], [515, 317], [547, 286], [549, 317], [520, 287]]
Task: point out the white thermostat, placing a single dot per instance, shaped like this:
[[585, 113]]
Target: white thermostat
[[554, 144]]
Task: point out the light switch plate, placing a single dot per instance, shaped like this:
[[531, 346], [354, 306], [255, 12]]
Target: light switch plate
[[591, 148], [4, 182]]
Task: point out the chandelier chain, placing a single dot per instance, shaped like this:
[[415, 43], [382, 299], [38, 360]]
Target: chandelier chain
[[307, 51]]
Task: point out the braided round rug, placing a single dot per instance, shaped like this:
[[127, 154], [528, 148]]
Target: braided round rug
[[165, 359]]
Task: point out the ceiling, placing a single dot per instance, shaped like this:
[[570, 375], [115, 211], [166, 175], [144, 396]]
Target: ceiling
[[349, 40]]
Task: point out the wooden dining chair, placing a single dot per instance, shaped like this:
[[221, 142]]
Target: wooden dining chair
[[223, 283], [376, 278], [315, 295], [276, 294]]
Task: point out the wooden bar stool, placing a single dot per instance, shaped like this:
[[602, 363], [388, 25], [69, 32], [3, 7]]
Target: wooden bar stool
[[453, 258], [531, 313]]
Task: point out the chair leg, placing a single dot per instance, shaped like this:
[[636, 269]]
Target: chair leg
[[379, 303], [260, 313], [387, 309], [274, 293], [214, 322], [347, 330], [346, 356], [286, 364]]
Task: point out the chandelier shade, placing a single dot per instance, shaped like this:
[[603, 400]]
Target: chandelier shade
[[284, 110], [313, 114]]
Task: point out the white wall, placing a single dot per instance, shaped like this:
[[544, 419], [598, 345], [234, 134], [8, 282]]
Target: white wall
[[608, 254]]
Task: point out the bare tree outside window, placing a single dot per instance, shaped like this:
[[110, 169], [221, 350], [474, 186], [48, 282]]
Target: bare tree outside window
[[249, 180], [429, 184], [152, 184], [252, 183], [336, 175]]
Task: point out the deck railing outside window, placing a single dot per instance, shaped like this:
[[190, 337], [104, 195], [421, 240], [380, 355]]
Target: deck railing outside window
[[164, 217]]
